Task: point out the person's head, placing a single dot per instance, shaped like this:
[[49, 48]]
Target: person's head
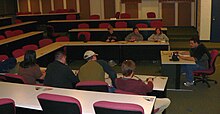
[[60, 56], [136, 30], [158, 31], [194, 42], [128, 67], [29, 59], [90, 55]]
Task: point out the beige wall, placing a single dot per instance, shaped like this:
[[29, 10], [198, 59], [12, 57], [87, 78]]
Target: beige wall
[[97, 7], [205, 19]]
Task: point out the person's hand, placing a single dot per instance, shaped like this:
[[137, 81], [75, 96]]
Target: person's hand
[[113, 40], [149, 79], [107, 40]]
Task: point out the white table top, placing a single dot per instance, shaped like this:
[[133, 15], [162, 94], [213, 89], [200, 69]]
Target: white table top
[[158, 81], [166, 56], [26, 96]]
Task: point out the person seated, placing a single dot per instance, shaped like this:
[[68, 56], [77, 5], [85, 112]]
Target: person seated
[[95, 69], [158, 36], [130, 83], [134, 36], [29, 69], [7, 65], [111, 35], [58, 73]]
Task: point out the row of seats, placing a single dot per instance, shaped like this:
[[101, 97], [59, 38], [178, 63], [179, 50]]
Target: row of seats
[[122, 24], [54, 103], [11, 33]]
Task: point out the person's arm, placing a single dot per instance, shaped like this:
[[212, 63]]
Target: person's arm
[[112, 74], [140, 38], [165, 38], [128, 37], [187, 58], [151, 38], [37, 72]]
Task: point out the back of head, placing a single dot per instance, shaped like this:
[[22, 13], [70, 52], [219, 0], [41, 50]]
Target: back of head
[[128, 67], [29, 59]]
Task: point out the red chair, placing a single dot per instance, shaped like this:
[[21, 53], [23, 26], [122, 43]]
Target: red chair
[[71, 17], [3, 57], [125, 15], [9, 33], [36, 13], [204, 75], [117, 15], [71, 10], [63, 39], [2, 37], [156, 24], [104, 25], [18, 21], [62, 11], [14, 78], [121, 25], [83, 25], [30, 47], [44, 42], [86, 36], [94, 17], [18, 32], [52, 12], [58, 104], [151, 15], [18, 52], [99, 86], [7, 106], [107, 107], [141, 25]]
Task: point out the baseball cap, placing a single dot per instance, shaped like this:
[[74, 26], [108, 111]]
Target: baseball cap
[[89, 54]]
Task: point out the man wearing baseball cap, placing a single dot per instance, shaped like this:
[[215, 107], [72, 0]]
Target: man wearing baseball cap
[[95, 69]]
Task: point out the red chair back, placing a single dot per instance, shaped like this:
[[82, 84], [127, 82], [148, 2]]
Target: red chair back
[[104, 25], [151, 15], [121, 25], [141, 25], [86, 34], [30, 47], [2, 37], [18, 32], [18, 52], [14, 78], [18, 21], [7, 106], [9, 33], [71, 17], [102, 107], [125, 15], [63, 39], [83, 25], [57, 104], [94, 17], [3, 57], [45, 42]]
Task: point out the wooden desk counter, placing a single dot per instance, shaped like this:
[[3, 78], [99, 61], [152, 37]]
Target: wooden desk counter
[[5, 21], [65, 25], [16, 25], [115, 29], [47, 14], [19, 37], [25, 96]]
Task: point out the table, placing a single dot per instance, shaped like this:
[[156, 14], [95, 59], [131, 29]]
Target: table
[[25, 96], [98, 33], [9, 44], [44, 18], [159, 82], [172, 68], [25, 26], [65, 25], [5, 21]]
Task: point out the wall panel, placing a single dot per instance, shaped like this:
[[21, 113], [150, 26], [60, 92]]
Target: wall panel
[[58, 4], [35, 7], [84, 9], [46, 6], [23, 5], [71, 4], [184, 14], [109, 8], [132, 9], [168, 14]]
